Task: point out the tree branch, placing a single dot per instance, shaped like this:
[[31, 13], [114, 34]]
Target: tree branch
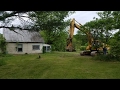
[[11, 14], [15, 28]]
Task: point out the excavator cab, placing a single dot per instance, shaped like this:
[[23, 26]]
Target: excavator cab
[[95, 45]]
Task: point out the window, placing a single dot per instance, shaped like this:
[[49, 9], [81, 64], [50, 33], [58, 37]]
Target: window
[[36, 47], [19, 47], [48, 48]]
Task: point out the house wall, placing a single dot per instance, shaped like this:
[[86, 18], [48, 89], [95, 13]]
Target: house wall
[[27, 48]]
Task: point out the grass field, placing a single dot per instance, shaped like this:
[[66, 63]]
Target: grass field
[[57, 65]]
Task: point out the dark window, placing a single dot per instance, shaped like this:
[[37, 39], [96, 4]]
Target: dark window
[[36, 47], [48, 48], [20, 47]]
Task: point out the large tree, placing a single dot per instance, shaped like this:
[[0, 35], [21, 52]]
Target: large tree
[[102, 27], [53, 25], [30, 19], [51, 22], [7, 17]]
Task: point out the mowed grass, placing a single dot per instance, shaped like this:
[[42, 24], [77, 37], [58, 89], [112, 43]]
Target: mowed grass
[[57, 65]]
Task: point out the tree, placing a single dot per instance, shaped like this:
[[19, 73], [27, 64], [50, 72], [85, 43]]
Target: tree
[[101, 28], [48, 20], [7, 17], [51, 22], [2, 44], [27, 19], [115, 44], [112, 22], [52, 25], [116, 16], [108, 21], [81, 38]]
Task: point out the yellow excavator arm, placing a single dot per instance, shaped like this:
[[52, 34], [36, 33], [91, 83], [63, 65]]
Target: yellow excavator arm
[[74, 25]]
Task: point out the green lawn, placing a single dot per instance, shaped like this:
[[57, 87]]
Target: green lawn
[[57, 65]]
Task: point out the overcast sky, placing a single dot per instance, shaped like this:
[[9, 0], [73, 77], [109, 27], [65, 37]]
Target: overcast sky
[[81, 16]]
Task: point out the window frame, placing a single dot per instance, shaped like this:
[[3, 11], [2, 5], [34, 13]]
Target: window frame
[[20, 48], [34, 48]]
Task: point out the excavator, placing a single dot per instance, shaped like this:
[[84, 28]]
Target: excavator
[[94, 46]]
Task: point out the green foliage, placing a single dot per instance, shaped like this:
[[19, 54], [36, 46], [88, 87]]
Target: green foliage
[[56, 40], [59, 43], [74, 43], [2, 44], [108, 57], [82, 48], [33, 18], [116, 18], [2, 62], [101, 30], [50, 20], [81, 38], [5, 55], [52, 28], [115, 50], [115, 45], [114, 54]]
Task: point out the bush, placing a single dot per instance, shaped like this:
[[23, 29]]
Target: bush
[[2, 44], [83, 48], [5, 55], [115, 49], [108, 57], [2, 62]]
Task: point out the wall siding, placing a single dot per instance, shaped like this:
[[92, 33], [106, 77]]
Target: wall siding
[[27, 48]]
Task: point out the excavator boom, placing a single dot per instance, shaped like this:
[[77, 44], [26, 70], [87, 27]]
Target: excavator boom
[[91, 42]]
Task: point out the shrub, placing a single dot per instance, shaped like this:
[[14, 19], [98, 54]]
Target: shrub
[[108, 57], [2, 62], [83, 48], [5, 55], [2, 44]]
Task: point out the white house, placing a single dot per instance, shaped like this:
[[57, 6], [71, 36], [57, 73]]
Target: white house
[[23, 42]]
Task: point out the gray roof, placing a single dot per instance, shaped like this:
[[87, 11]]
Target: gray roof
[[22, 36]]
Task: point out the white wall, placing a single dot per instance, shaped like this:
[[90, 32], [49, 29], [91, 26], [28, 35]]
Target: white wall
[[27, 48]]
